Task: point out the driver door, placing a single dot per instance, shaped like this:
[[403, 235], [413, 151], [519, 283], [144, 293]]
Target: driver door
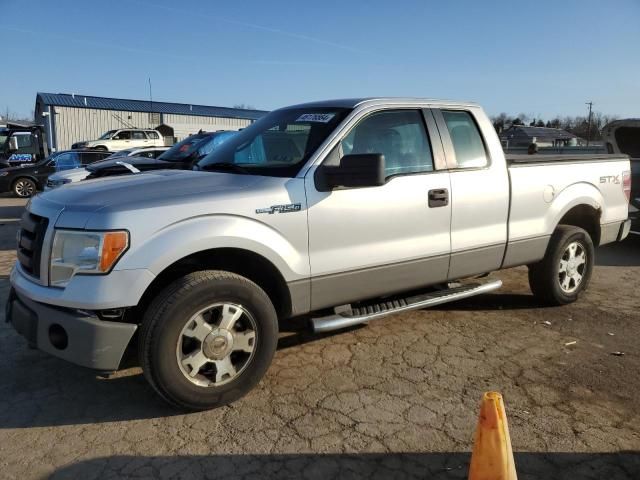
[[372, 241]]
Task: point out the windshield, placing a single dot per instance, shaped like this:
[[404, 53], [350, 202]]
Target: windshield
[[195, 147], [278, 144], [107, 135], [3, 139]]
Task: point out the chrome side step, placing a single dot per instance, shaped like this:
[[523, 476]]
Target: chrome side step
[[374, 311]]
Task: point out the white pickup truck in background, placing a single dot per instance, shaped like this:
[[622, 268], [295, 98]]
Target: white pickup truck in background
[[343, 211]]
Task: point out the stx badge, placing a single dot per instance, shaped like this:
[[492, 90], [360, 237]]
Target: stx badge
[[291, 207]]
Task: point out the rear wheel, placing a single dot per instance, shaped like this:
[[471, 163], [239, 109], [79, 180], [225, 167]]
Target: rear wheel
[[24, 187], [208, 339], [566, 269]]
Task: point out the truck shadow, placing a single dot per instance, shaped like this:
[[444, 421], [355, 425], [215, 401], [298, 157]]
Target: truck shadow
[[401, 465], [623, 254], [492, 301]]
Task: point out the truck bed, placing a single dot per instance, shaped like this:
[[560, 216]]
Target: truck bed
[[546, 186], [520, 159]]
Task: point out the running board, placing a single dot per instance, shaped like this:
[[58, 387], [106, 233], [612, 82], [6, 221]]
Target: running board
[[357, 315]]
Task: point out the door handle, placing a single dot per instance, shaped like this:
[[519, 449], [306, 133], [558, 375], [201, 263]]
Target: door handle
[[438, 197]]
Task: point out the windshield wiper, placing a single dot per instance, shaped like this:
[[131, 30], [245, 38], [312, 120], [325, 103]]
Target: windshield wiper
[[225, 166]]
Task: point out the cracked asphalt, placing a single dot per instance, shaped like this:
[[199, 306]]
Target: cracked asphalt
[[397, 398]]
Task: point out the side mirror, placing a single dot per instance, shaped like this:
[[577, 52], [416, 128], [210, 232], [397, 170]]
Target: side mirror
[[354, 171], [13, 144]]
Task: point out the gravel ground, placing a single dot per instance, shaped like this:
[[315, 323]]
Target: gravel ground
[[395, 399]]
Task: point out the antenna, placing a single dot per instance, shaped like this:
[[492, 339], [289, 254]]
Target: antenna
[[150, 96]]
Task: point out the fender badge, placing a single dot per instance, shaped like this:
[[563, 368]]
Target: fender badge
[[291, 207]]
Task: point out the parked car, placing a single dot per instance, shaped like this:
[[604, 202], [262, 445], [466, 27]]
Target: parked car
[[27, 179], [77, 174], [623, 136], [182, 155], [344, 211], [147, 152], [115, 140]]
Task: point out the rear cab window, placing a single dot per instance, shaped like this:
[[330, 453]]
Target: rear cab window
[[468, 146]]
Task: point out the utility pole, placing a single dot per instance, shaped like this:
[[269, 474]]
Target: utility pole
[[589, 123]]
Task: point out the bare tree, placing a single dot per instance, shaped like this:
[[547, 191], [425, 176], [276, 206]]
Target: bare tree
[[8, 114]]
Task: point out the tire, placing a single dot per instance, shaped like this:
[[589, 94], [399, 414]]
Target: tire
[[24, 187], [554, 280], [101, 149], [173, 332]]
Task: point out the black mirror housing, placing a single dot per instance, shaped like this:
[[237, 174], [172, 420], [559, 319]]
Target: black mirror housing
[[355, 171]]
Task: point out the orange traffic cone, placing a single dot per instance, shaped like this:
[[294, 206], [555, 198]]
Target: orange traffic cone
[[492, 457]]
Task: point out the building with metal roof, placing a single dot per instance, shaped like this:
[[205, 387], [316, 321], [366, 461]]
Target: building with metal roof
[[70, 118], [523, 136]]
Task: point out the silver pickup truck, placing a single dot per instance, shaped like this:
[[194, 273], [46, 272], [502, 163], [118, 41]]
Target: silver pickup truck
[[337, 212]]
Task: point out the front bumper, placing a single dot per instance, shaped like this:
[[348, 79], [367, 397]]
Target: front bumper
[[120, 288], [72, 335]]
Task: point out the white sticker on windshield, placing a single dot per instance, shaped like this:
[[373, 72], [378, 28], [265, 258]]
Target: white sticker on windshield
[[316, 117]]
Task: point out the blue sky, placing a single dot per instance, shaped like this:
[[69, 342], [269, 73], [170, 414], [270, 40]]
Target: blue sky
[[539, 57]]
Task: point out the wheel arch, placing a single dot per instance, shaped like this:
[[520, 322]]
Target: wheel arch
[[246, 263], [586, 217], [579, 205]]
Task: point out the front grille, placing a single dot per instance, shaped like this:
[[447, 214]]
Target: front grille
[[30, 239]]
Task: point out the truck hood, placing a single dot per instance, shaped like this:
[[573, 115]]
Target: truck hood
[[78, 201]]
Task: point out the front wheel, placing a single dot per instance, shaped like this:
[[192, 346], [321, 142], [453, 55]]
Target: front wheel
[[24, 188], [566, 269], [207, 339]]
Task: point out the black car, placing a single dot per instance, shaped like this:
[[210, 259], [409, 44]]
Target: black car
[[182, 155], [27, 179]]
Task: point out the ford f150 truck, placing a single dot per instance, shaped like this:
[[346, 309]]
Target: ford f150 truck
[[340, 212]]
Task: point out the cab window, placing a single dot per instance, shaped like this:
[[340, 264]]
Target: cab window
[[123, 135], [399, 135], [138, 136], [466, 139], [152, 135]]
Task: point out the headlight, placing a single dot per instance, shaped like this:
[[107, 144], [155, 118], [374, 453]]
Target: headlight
[[78, 252], [4, 174]]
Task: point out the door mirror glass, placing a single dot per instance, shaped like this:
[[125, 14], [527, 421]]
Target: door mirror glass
[[355, 171]]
